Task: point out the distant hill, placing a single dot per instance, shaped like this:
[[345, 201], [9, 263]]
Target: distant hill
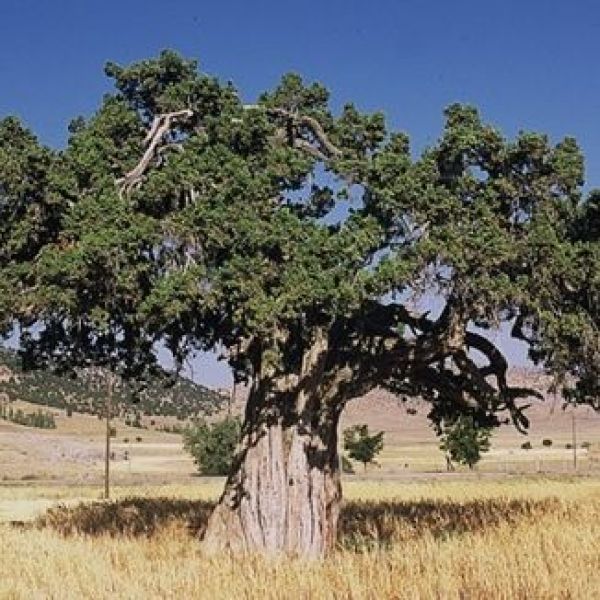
[[86, 393]]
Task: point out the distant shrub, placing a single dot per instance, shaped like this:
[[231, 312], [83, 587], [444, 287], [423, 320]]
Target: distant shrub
[[546, 442], [112, 432], [40, 419], [586, 445], [526, 446], [464, 441], [126, 440], [213, 445], [138, 439], [569, 446], [174, 429], [361, 446]]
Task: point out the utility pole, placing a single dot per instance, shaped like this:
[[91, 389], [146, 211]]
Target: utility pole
[[234, 386], [109, 402], [231, 398], [574, 440]]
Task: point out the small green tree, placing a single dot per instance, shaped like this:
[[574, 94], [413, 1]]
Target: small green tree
[[361, 446], [464, 440], [213, 445]]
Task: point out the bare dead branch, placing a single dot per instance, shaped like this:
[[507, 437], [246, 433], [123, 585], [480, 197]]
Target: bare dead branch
[[318, 131], [309, 149], [153, 129], [325, 149], [161, 125], [318, 145]]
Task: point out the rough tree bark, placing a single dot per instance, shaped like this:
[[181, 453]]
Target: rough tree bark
[[283, 496], [284, 493]]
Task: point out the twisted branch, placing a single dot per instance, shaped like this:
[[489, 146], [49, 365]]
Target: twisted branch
[[161, 126], [436, 360], [320, 147], [324, 150]]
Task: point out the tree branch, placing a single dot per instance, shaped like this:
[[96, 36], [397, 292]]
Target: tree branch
[[384, 356], [317, 130], [325, 150], [161, 125]]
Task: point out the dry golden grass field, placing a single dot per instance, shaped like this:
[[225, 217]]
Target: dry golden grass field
[[523, 525], [517, 538]]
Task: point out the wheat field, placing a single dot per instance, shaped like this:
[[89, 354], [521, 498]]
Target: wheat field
[[519, 538]]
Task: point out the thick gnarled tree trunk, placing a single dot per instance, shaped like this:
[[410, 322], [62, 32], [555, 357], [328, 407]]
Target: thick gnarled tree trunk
[[283, 496]]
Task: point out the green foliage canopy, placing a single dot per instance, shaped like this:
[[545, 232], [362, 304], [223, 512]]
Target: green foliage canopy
[[179, 215]]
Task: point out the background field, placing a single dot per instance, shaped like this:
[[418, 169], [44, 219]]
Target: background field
[[522, 525], [73, 452]]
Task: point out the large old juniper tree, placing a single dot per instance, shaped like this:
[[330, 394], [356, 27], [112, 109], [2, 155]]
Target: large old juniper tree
[[292, 240]]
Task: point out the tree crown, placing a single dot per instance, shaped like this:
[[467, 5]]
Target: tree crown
[[179, 215]]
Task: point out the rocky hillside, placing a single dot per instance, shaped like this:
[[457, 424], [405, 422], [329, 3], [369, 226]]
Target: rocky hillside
[[86, 393]]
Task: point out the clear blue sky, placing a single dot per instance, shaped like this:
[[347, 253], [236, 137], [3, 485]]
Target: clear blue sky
[[528, 64]]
